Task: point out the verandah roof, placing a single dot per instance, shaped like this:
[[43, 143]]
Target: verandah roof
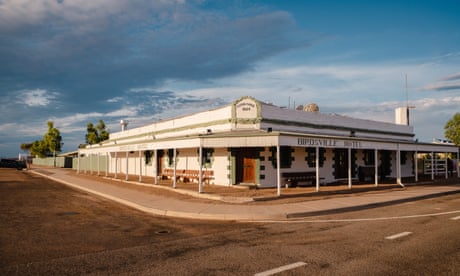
[[268, 139]]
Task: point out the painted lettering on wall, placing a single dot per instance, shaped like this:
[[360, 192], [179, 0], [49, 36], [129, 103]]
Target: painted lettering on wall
[[317, 142], [331, 143], [352, 144], [245, 106], [246, 109]]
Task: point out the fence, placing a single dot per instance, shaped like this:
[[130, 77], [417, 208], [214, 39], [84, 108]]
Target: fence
[[60, 162], [92, 163]]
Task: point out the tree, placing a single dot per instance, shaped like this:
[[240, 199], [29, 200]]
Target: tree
[[26, 146], [103, 134], [91, 136], [452, 129], [38, 149], [52, 139], [49, 145], [96, 134]]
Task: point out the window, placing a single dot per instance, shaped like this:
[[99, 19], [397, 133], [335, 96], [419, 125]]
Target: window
[[311, 157], [369, 157], [206, 158], [403, 157], [171, 156], [285, 157], [148, 157]]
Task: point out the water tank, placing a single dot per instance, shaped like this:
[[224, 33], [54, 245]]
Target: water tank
[[311, 107], [124, 125]]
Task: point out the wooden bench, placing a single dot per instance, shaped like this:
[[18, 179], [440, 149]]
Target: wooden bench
[[208, 175], [189, 175], [293, 178], [169, 174], [366, 172]]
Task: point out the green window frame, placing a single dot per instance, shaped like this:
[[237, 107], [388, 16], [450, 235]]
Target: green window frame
[[369, 157], [311, 157], [206, 157], [285, 157], [171, 157]]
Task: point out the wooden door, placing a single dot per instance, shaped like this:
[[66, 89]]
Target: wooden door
[[159, 158], [249, 169], [246, 162], [341, 163]]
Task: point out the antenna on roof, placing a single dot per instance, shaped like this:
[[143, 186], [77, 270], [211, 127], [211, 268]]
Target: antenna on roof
[[407, 104]]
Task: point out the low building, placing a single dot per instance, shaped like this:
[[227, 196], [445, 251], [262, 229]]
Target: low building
[[249, 141]]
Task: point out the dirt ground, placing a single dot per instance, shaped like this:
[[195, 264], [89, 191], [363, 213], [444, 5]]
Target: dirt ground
[[47, 228], [42, 220]]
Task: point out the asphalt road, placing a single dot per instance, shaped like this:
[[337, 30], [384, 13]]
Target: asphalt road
[[48, 228]]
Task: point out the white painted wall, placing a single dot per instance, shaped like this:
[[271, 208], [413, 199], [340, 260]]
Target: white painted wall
[[220, 167]]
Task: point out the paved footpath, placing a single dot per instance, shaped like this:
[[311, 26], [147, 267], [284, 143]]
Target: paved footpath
[[170, 206]]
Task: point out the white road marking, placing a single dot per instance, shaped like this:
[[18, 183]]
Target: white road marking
[[400, 235], [455, 218], [280, 269]]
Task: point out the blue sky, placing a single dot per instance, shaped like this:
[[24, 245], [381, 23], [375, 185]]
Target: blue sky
[[74, 62]]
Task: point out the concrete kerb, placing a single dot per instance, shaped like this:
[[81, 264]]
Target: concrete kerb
[[247, 215], [160, 212], [367, 206]]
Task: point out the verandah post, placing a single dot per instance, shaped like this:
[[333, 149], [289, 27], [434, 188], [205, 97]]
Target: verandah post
[[200, 177], [349, 168], [278, 171], [140, 166], [175, 169], [107, 164], [416, 165], [317, 167], [126, 176], [116, 165], [376, 167]]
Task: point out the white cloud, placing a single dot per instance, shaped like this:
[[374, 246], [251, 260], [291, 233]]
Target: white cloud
[[4, 128], [85, 14], [115, 99], [123, 112], [17, 13], [36, 97], [441, 86], [355, 90], [455, 76], [445, 83], [73, 119], [324, 84]]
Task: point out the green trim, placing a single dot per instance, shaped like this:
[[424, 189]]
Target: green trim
[[232, 171], [257, 180], [258, 119], [153, 133]]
